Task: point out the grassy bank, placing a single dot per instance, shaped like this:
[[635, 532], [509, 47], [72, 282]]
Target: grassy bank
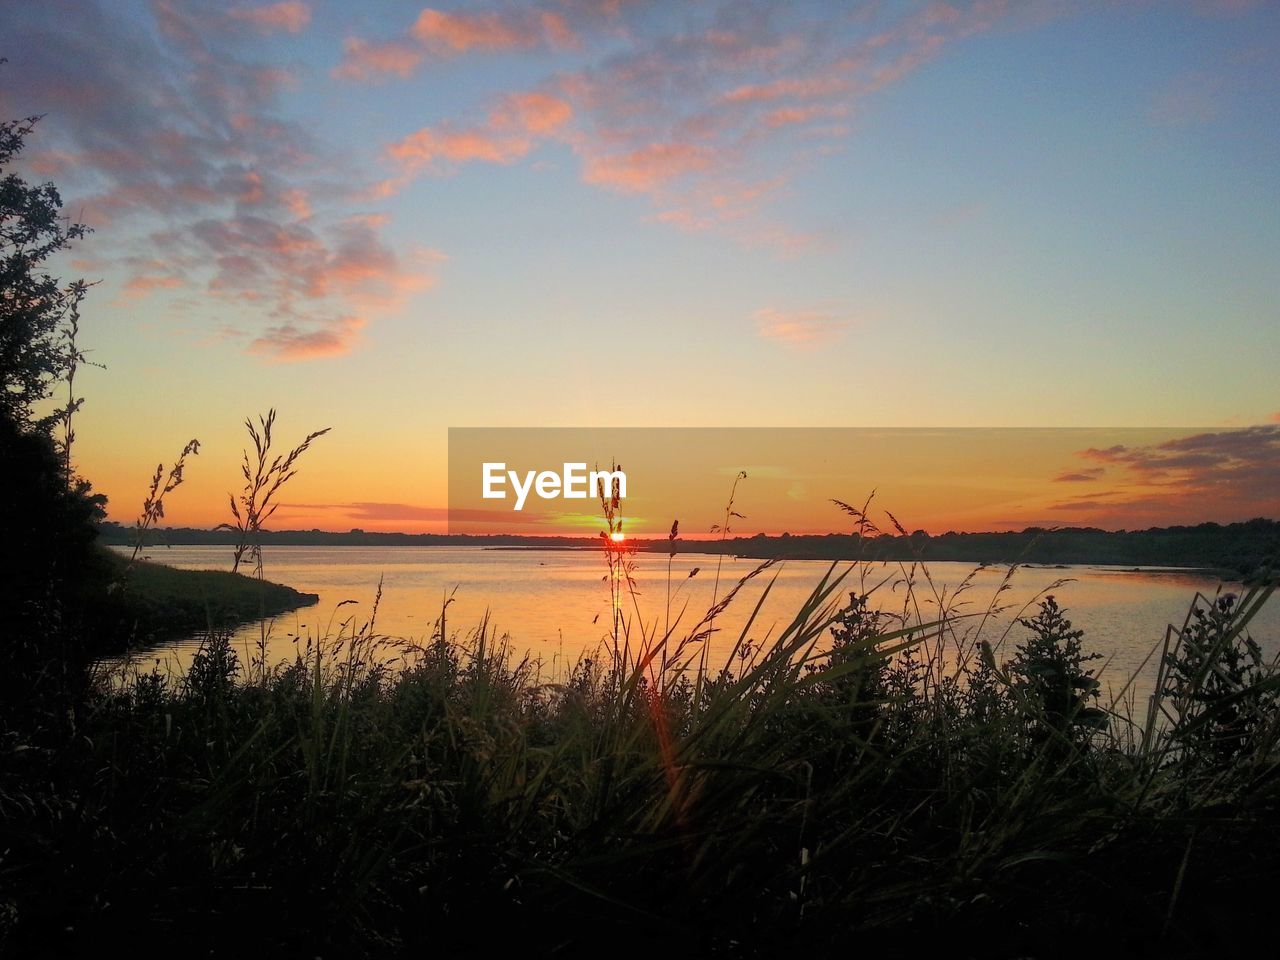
[[146, 603], [887, 792]]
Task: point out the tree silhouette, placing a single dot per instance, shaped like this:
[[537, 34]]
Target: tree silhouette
[[34, 306], [47, 515]]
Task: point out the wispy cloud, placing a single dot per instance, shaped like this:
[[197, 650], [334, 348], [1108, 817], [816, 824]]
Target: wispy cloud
[[142, 284], [800, 327], [292, 341], [291, 16], [370, 60], [174, 138], [648, 167], [176, 134], [750, 96], [437, 34], [708, 119], [1224, 475], [1081, 476], [514, 126], [445, 34]]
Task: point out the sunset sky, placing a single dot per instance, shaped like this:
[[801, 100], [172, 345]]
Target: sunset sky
[[391, 219]]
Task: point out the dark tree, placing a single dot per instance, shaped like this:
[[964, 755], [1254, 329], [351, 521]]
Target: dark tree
[[34, 306], [47, 514]]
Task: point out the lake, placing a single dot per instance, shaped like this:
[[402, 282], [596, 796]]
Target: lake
[[555, 604]]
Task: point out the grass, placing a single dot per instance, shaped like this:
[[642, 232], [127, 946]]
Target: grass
[[150, 602], [859, 781]]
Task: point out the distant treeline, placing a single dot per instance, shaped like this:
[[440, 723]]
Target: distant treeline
[[1240, 547]]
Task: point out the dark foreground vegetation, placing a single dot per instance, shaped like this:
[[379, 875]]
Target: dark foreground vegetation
[[889, 792], [61, 583]]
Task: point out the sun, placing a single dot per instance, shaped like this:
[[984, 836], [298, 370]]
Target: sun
[[617, 537]]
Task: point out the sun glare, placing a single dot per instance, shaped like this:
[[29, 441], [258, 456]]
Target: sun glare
[[617, 537]]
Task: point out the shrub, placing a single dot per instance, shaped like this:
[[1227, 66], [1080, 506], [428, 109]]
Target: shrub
[[1221, 691], [1050, 680]]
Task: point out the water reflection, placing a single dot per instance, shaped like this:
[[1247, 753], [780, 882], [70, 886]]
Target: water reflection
[[558, 605]]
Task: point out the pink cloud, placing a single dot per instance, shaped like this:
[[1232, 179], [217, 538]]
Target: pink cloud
[[295, 265], [710, 204], [457, 146], [683, 117], [707, 122], [643, 169], [442, 34], [251, 191], [791, 116], [536, 113], [799, 327], [734, 97], [142, 284], [833, 81], [290, 342], [291, 16], [51, 163], [172, 135], [296, 201], [450, 33], [1224, 475], [719, 206], [512, 129], [367, 60]]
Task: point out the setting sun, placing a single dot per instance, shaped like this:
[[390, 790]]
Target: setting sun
[[327, 329]]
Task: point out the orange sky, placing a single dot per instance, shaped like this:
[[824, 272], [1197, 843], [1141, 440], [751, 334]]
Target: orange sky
[[936, 480]]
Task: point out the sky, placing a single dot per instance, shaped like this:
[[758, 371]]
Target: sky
[[392, 219], [786, 479]]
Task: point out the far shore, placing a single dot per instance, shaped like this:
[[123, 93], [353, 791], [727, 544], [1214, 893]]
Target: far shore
[[1230, 551]]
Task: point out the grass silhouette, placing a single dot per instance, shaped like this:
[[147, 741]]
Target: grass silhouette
[[859, 778]]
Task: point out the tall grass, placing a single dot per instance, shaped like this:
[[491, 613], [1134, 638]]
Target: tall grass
[[863, 777], [264, 475], [162, 485]]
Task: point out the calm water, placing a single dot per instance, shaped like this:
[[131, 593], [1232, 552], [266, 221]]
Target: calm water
[[555, 604]]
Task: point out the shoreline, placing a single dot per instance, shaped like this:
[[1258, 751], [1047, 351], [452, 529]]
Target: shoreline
[[1225, 574], [154, 603]]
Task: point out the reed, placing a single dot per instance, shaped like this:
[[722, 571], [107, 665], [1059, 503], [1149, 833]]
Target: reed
[[264, 475], [869, 773], [162, 485]]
